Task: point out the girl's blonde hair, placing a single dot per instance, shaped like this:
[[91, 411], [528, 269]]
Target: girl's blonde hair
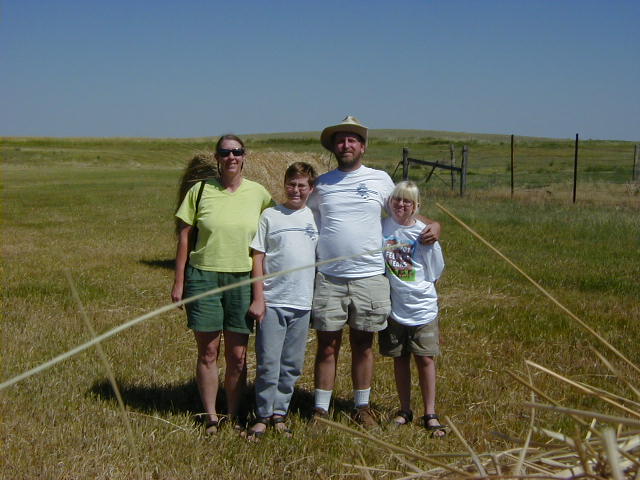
[[407, 190]]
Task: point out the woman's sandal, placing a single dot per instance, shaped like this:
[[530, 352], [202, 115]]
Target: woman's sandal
[[253, 434], [211, 427], [437, 431], [280, 425], [406, 415]]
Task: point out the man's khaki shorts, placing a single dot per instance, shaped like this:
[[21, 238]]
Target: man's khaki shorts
[[362, 303], [399, 340]]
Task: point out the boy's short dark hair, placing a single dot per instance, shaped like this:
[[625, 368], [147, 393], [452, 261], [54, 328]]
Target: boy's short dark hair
[[303, 169]]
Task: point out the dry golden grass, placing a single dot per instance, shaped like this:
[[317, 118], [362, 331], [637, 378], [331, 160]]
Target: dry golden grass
[[110, 226]]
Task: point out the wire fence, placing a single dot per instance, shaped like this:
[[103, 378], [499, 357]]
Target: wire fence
[[526, 165]]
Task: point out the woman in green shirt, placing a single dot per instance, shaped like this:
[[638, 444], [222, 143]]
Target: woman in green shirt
[[226, 213]]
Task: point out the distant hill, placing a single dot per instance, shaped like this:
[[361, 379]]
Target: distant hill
[[379, 135]]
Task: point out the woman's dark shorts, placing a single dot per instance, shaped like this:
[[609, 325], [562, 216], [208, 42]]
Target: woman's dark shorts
[[221, 311]]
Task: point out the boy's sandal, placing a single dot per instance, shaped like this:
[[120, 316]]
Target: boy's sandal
[[437, 431], [280, 425], [406, 415], [253, 434]]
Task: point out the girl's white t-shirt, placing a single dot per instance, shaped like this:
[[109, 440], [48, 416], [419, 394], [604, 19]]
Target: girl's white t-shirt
[[412, 270]]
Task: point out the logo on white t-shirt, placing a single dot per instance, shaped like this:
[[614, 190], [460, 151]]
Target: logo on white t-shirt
[[399, 260], [363, 191]]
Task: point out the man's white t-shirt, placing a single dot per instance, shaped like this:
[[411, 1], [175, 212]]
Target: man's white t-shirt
[[412, 270], [348, 208], [288, 239]]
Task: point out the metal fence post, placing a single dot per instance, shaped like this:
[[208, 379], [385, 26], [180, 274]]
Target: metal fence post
[[405, 163], [452, 155], [575, 169], [512, 165], [463, 173]]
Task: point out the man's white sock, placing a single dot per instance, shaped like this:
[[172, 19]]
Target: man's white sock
[[361, 397], [323, 399]]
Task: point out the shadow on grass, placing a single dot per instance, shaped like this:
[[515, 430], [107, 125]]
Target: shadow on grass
[[154, 399], [184, 398], [169, 264]]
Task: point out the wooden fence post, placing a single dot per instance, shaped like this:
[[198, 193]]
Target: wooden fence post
[[463, 174], [575, 169], [452, 156], [511, 165], [405, 163], [636, 165]]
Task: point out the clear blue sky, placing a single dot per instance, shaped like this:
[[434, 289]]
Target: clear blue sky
[[201, 68]]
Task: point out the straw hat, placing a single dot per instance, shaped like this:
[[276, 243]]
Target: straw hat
[[349, 124]]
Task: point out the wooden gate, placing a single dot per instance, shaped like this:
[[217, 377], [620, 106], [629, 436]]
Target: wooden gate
[[461, 170]]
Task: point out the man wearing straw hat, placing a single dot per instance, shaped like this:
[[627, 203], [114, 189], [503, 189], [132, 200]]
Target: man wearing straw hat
[[348, 203]]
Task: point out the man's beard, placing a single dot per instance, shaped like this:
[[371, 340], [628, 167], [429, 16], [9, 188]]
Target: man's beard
[[348, 162]]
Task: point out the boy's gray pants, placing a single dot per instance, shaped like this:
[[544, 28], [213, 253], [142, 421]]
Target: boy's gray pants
[[281, 341]]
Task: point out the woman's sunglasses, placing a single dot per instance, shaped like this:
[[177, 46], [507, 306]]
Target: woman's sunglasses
[[225, 152]]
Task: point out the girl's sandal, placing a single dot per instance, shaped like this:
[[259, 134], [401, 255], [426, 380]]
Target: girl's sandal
[[437, 431], [280, 425], [405, 415]]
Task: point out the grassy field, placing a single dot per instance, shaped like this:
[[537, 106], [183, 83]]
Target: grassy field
[[101, 209]]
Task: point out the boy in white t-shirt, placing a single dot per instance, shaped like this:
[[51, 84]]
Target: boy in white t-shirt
[[412, 269], [286, 238]]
